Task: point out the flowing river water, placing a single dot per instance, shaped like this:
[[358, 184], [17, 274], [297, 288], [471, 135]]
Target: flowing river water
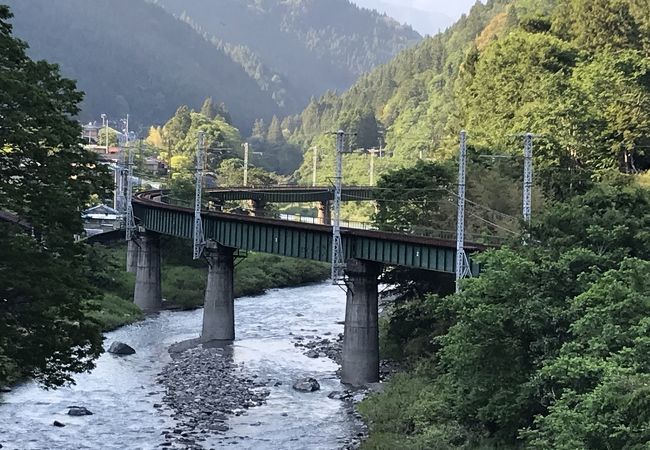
[[122, 391]]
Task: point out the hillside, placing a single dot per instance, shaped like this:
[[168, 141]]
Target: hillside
[[300, 48], [132, 57], [574, 72], [271, 58]]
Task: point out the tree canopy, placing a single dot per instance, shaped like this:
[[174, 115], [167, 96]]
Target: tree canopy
[[46, 179]]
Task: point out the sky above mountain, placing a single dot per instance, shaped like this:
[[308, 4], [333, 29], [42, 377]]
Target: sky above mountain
[[426, 16]]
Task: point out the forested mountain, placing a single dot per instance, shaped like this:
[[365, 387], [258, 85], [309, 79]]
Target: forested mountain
[[574, 71], [132, 57], [135, 57], [299, 48]]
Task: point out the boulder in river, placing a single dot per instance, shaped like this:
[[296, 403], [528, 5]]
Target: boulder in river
[[79, 411], [306, 385], [5, 389], [120, 348], [58, 424]]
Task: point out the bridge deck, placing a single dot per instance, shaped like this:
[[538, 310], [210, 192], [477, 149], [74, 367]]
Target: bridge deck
[[296, 239], [291, 194]]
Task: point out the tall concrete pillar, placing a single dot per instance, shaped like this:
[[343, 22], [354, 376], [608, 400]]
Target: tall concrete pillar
[[360, 359], [258, 208], [324, 213], [148, 295], [133, 248], [219, 306]]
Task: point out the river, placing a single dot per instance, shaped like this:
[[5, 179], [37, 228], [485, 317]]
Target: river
[[122, 391]]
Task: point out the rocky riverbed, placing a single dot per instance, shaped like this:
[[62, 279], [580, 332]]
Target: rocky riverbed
[[329, 346], [203, 388]]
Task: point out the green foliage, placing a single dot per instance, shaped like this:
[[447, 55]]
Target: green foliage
[[113, 312], [599, 381], [415, 198], [546, 349], [46, 178], [231, 173], [112, 137]]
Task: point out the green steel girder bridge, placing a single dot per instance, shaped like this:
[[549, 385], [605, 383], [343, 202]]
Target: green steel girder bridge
[[366, 252], [296, 239]]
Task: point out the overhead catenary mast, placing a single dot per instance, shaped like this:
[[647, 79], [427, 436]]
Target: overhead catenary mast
[[338, 258], [463, 269], [199, 238], [528, 177], [130, 220], [120, 171]]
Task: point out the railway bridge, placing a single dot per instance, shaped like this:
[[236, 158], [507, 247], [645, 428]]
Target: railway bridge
[[366, 253]]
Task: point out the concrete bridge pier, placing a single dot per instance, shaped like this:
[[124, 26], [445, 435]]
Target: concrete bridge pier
[[219, 305], [324, 213], [133, 248], [258, 208], [360, 359], [148, 293]]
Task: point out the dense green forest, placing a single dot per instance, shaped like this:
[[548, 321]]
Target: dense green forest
[[506, 68], [297, 49], [134, 57]]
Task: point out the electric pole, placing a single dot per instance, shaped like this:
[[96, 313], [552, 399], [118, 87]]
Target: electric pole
[[313, 172], [245, 164], [338, 257], [105, 126], [463, 269], [373, 154], [528, 177], [120, 200], [130, 221], [199, 239]]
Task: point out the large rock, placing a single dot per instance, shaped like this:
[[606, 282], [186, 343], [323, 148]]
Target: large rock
[[58, 424], [306, 385], [120, 348], [79, 411]]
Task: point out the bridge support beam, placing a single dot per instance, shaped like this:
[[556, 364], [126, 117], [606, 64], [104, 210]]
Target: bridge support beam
[[324, 213], [258, 208], [219, 305], [148, 293], [133, 249], [360, 359]]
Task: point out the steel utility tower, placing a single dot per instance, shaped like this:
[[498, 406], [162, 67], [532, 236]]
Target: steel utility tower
[[199, 238], [463, 269], [246, 148], [338, 256], [528, 177], [130, 220], [315, 166], [120, 170]]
